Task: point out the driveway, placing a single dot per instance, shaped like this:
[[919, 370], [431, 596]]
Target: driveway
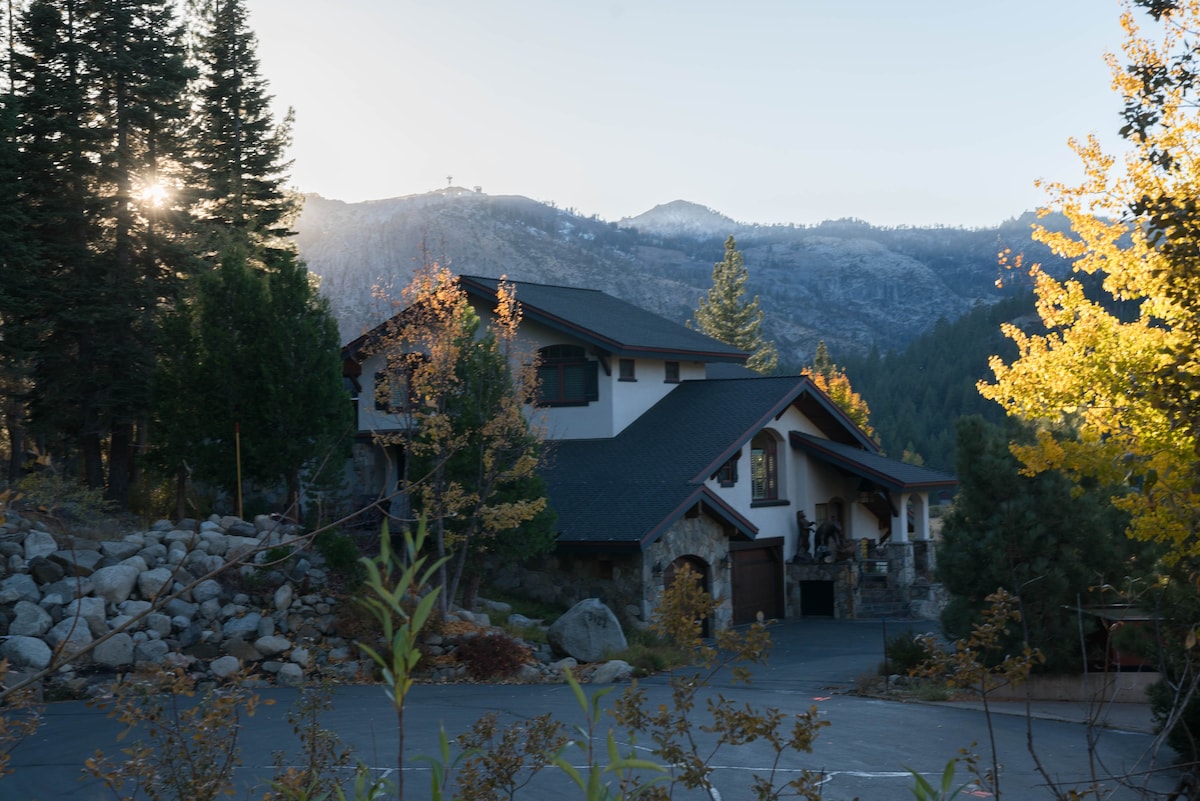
[[863, 753]]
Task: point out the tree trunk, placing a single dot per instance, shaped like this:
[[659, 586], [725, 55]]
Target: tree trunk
[[294, 511], [120, 463], [181, 487]]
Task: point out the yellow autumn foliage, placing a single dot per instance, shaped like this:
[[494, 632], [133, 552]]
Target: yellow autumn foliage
[[1117, 399]]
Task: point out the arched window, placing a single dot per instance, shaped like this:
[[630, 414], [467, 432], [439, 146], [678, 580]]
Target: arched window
[[764, 467], [567, 377]]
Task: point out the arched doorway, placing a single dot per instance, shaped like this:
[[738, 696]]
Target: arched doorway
[[700, 568]]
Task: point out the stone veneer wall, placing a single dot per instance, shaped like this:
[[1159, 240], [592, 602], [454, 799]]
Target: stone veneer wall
[[844, 576], [705, 539]]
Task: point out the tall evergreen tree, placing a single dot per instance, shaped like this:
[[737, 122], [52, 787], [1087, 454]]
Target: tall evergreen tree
[[238, 160], [725, 314], [100, 89], [256, 349], [1040, 537], [254, 358]]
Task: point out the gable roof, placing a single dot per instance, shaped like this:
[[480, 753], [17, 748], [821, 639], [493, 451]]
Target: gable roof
[[887, 473], [606, 322], [625, 492]]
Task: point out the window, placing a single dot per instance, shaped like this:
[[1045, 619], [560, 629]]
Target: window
[[626, 368], [727, 475], [764, 468], [672, 373], [567, 378], [392, 392]]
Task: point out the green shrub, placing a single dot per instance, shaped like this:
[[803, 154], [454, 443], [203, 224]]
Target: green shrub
[[341, 555], [904, 652], [1185, 736], [492, 656]]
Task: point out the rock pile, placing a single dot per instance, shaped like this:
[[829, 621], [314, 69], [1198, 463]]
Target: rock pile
[[146, 596], [145, 599]]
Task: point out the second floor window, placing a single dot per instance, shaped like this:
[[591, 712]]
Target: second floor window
[[567, 377], [627, 370], [764, 468]]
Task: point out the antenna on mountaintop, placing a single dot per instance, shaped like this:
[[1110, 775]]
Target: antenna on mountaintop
[[449, 180]]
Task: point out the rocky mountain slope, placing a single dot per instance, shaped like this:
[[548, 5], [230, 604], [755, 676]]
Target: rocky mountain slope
[[846, 282]]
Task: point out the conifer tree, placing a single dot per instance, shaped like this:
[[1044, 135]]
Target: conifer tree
[[725, 314], [238, 161], [99, 89], [256, 344]]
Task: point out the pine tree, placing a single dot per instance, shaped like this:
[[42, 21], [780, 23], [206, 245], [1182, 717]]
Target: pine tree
[[238, 160], [725, 315], [1041, 537], [253, 358], [99, 89], [256, 348]]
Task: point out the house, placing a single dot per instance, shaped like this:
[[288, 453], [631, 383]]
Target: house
[[663, 450]]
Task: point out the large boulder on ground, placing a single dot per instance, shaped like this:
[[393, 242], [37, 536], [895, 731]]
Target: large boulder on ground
[[115, 583], [29, 652], [589, 631], [30, 620]]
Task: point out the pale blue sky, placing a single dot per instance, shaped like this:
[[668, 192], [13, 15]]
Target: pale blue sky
[[920, 112]]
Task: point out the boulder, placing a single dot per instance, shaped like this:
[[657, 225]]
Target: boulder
[[45, 570], [28, 652], [20, 587], [70, 636], [115, 652], [90, 611], [151, 583], [290, 675], [115, 583], [225, 666], [77, 563], [588, 631], [151, 652], [30, 620], [612, 671], [245, 626], [39, 543], [206, 591], [284, 596], [121, 549], [272, 645]]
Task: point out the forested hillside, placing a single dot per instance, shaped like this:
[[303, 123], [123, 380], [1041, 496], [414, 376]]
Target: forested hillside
[[917, 393]]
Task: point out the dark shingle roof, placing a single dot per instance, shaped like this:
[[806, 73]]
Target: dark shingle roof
[[607, 322], [625, 491], [887, 473]]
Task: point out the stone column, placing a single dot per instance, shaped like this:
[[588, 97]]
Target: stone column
[[901, 569]]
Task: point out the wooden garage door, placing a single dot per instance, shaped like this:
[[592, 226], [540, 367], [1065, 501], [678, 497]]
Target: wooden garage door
[[757, 579]]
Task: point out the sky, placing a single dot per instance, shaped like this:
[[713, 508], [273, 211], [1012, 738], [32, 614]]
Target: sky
[[896, 112]]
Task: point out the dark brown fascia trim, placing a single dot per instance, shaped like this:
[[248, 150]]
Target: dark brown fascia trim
[[885, 481]]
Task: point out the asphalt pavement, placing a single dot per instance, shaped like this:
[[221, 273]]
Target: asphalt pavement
[[865, 752]]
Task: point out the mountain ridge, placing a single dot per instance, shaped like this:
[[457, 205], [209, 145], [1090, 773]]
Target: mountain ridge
[[852, 284]]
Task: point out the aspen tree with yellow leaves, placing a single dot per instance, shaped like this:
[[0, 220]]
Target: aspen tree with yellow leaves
[[472, 453], [833, 381], [1118, 401]]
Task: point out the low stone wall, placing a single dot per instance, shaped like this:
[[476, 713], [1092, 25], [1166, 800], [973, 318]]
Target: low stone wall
[[1116, 687]]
